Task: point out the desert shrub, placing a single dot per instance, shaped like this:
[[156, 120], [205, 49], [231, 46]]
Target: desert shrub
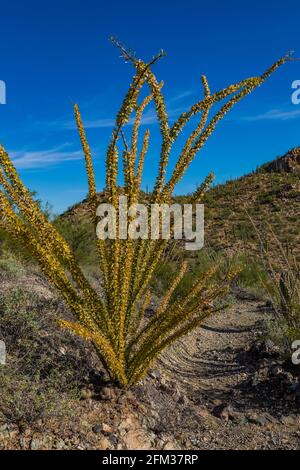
[[11, 265], [281, 281], [45, 367], [202, 262], [23, 400], [114, 322], [80, 235], [253, 276]]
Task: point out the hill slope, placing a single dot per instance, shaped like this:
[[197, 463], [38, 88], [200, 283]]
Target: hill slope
[[270, 196]]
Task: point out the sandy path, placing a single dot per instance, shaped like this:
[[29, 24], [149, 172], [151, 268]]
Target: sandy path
[[209, 367]]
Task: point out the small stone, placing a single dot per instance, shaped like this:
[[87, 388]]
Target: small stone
[[224, 412], [203, 413], [39, 442], [102, 428], [62, 351], [276, 370], [255, 419], [136, 440], [60, 444], [289, 420], [103, 444], [272, 349], [4, 434], [97, 429], [86, 393], [107, 393], [163, 382], [35, 444], [14, 433], [126, 424], [113, 440], [154, 374], [106, 429], [24, 442], [170, 445]]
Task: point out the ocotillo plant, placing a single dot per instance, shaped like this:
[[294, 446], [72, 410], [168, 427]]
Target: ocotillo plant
[[114, 322]]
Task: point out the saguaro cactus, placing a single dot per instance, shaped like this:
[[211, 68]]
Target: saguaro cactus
[[114, 323]]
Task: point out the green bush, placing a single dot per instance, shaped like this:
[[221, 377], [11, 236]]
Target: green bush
[[11, 265]]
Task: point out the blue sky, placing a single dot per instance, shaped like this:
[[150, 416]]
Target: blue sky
[[55, 53]]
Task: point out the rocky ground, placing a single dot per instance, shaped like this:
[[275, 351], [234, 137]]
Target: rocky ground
[[221, 387]]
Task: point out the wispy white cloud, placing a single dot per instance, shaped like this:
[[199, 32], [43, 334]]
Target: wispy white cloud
[[91, 124], [43, 158], [149, 116], [180, 96], [148, 119], [275, 115]]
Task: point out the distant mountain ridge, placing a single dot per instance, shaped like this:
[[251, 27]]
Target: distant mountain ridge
[[289, 163]]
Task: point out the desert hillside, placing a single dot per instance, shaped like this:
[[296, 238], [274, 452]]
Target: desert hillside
[[270, 197]]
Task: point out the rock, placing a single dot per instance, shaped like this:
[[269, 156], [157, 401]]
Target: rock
[[13, 433], [289, 163], [216, 402], [24, 442], [170, 445], [136, 440], [97, 429], [290, 420], [4, 431], [154, 374], [256, 419], [102, 428], [113, 440], [224, 412], [275, 370], [107, 393], [36, 443], [271, 348], [163, 381], [62, 351], [103, 444], [41, 442], [60, 444], [122, 400], [122, 432], [106, 428], [133, 436], [203, 413], [127, 423], [86, 393], [265, 349]]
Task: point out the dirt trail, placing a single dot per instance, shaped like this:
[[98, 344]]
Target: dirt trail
[[213, 371], [207, 362]]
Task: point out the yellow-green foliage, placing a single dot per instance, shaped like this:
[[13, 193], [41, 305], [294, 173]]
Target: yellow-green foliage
[[115, 323]]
